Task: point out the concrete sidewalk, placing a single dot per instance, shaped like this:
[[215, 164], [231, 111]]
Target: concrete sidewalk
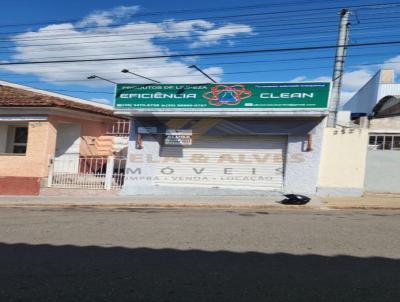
[[153, 201], [368, 202], [383, 201]]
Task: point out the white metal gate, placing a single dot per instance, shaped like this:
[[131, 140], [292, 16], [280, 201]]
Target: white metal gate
[[88, 173]]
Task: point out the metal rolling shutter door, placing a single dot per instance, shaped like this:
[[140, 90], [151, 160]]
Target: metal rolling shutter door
[[241, 162]]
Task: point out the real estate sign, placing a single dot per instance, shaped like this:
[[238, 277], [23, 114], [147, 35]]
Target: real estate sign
[[222, 96]]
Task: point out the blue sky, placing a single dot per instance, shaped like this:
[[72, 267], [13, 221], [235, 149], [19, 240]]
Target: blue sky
[[57, 30]]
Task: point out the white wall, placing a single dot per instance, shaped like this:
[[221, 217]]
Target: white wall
[[343, 160], [366, 98], [388, 89], [379, 86]]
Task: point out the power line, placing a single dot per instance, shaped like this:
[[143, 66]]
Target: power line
[[111, 26], [133, 40], [176, 42], [138, 15], [163, 32], [252, 55], [262, 18], [238, 72], [227, 63], [239, 63], [202, 54], [366, 6], [281, 42], [79, 35], [187, 31], [318, 17], [199, 75], [255, 6]]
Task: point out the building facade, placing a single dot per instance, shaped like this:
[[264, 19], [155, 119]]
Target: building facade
[[379, 101], [383, 161], [39, 129], [209, 141]]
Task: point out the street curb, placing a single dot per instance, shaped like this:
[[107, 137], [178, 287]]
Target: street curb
[[363, 208], [166, 206], [193, 206]]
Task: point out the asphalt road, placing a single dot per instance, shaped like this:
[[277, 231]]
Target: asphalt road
[[199, 255]]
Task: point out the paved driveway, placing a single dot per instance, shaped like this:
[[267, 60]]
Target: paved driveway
[[199, 255]]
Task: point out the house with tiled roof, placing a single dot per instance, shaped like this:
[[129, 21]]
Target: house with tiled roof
[[39, 129]]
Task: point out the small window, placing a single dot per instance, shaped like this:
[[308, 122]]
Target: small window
[[396, 143], [16, 139], [379, 142], [388, 143], [372, 140], [384, 142]]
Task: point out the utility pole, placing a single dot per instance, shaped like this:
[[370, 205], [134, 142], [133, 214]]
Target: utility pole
[[342, 42]]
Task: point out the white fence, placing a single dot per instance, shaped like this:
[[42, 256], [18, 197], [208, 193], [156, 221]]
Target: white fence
[[88, 173]]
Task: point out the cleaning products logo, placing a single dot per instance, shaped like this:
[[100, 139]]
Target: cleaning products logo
[[227, 94]]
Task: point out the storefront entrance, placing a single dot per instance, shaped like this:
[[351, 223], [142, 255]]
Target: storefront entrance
[[235, 162]]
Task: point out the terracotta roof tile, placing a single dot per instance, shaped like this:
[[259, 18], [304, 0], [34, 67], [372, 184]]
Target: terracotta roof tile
[[18, 97]]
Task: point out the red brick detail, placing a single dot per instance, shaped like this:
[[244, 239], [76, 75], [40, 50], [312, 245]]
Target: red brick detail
[[10, 185]]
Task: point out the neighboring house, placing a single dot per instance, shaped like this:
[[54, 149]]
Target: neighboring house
[[39, 128], [368, 155], [379, 102], [383, 160], [379, 86]]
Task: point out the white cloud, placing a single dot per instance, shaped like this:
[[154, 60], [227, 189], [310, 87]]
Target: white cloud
[[352, 82], [346, 95], [173, 29], [104, 18], [135, 39], [213, 36], [305, 79]]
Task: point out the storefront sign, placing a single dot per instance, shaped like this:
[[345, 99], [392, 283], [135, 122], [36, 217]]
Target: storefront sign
[[178, 140], [178, 137], [222, 96]]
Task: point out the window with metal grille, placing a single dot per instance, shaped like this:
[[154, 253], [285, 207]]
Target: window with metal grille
[[120, 128], [384, 141]]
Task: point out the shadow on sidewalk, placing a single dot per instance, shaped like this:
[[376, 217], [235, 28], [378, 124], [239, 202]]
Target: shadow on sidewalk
[[72, 273]]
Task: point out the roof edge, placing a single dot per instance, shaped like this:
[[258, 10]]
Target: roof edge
[[57, 95]]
